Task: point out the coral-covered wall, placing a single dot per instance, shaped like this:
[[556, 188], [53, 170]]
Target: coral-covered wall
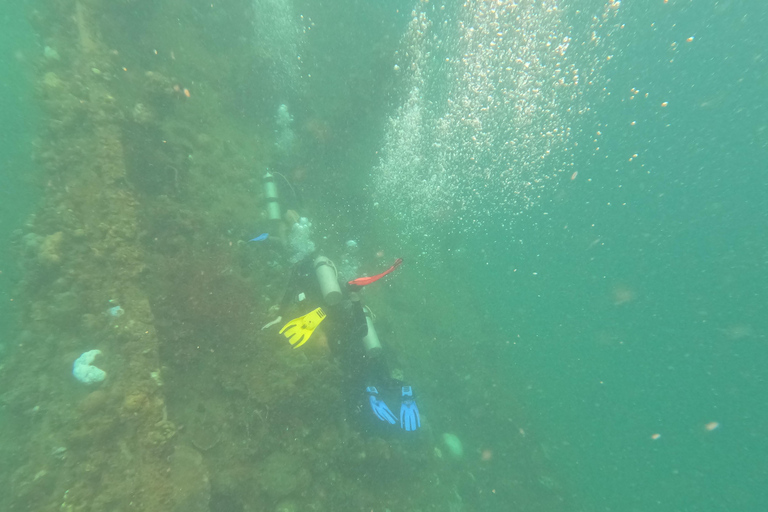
[[101, 447]]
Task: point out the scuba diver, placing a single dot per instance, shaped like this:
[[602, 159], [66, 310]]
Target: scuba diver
[[316, 290], [348, 324]]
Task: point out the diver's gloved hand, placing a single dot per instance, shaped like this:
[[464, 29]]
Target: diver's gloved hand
[[380, 409], [409, 412]]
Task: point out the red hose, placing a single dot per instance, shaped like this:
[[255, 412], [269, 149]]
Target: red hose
[[362, 281]]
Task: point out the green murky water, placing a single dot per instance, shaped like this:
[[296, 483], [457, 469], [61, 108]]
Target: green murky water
[[577, 190]]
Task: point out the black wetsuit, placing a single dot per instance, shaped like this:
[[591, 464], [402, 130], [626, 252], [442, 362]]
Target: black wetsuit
[[345, 326]]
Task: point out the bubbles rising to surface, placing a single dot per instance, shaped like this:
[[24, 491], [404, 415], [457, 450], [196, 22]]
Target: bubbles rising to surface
[[280, 40], [494, 95]]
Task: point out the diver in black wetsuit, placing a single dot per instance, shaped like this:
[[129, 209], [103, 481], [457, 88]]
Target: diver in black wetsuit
[[314, 287]]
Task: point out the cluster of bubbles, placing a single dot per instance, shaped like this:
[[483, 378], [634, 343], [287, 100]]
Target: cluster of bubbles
[[285, 136], [280, 39], [350, 261], [300, 240], [492, 99]]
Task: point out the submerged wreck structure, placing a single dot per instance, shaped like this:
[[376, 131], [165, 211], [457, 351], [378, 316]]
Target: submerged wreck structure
[[134, 260], [104, 444]]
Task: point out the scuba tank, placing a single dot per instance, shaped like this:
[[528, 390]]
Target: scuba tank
[[328, 280], [371, 341], [270, 192]]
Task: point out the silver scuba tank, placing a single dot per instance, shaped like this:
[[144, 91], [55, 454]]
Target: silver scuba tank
[[328, 279], [270, 193], [371, 340]]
